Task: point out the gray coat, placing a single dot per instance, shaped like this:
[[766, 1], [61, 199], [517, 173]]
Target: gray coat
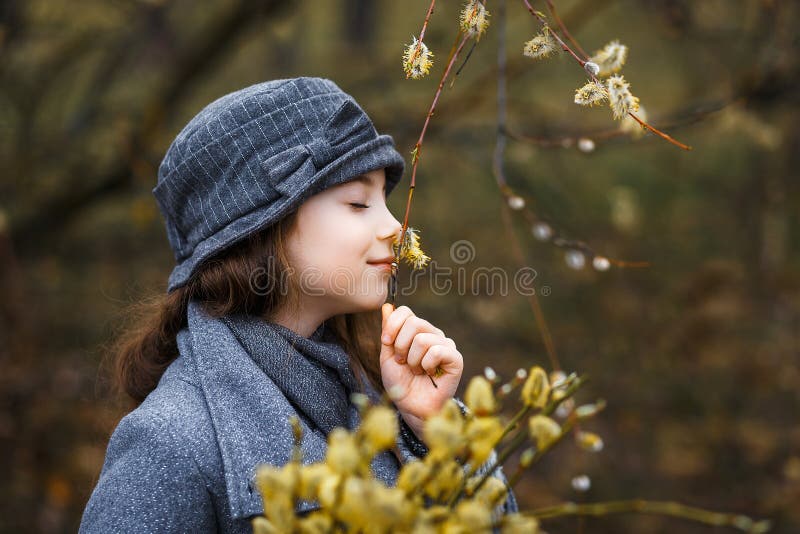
[[184, 460]]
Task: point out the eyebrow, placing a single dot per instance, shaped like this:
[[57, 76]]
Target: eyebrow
[[366, 180]]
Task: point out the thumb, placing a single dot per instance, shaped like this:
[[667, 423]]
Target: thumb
[[386, 311], [387, 351]]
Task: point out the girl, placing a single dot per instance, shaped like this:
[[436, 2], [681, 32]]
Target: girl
[[274, 199]]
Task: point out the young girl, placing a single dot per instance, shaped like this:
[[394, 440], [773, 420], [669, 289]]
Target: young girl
[[274, 199]]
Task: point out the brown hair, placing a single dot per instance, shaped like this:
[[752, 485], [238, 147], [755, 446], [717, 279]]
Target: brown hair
[[225, 284]]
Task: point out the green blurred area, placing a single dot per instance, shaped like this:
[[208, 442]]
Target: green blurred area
[[697, 355]]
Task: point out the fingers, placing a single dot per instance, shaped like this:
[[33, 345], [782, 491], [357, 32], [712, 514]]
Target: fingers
[[432, 358], [444, 357], [422, 342], [411, 327], [428, 347], [411, 338]]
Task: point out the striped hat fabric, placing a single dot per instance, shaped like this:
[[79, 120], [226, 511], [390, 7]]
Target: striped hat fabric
[[252, 156]]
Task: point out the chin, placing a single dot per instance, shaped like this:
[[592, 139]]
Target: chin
[[369, 302]]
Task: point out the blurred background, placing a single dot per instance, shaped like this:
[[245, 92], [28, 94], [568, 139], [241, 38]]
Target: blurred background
[[696, 354]]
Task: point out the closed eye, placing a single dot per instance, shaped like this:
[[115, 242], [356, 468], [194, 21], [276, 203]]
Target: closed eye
[[358, 205]]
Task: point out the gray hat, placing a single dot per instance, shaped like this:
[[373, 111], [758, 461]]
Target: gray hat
[[251, 157]]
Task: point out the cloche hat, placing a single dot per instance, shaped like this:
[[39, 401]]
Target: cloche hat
[[252, 156]]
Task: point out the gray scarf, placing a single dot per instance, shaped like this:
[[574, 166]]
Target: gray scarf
[[315, 375]]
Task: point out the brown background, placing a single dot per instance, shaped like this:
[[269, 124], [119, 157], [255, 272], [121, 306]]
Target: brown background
[[696, 355]]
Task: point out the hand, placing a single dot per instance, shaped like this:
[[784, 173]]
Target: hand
[[411, 349]]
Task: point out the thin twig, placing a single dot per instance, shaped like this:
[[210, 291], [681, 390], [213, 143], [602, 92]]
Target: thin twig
[[427, 18], [416, 152], [499, 173], [466, 58], [676, 119], [659, 133], [674, 509], [418, 48], [564, 29], [594, 78]]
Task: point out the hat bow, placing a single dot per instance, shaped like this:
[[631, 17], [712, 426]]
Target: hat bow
[[292, 169]]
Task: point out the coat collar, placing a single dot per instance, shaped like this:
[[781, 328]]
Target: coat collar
[[249, 413]]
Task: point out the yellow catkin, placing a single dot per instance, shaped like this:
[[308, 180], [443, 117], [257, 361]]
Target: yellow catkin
[[479, 396], [519, 524], [541, 46], [589, 441], [543, 430], [536, 389], [350, 495], [482, 434], [410, 250], [620, 98], [591, 94], [493, 492], [444, 431], [379, 428], [342, 456], [474, 19], [417, 59], [610, 58]]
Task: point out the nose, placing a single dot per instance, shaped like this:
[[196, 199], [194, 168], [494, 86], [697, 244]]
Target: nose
[[392, 227]]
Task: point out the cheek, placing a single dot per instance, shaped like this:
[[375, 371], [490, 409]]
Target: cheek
[[329, 237], [332, 247], [345, 238], [334, 265]]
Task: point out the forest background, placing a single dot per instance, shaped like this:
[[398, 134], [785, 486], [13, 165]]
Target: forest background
[[696, 354]]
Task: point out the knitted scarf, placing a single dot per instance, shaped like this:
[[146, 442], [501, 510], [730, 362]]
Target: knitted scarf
[[315, 375]]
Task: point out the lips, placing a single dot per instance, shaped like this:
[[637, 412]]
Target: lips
[[388, 259]]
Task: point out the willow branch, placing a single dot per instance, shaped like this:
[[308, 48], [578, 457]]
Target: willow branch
[[546, 26], [673, 509], [461, 39], [594, 78], [659, 133], [427, 18], [675, 119], [552, 8], [521, 437]]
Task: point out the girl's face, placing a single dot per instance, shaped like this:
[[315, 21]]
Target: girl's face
[[340, 247]]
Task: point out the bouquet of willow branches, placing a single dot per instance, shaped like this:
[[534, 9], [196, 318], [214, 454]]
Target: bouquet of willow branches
[[451, 489], [442, 492]]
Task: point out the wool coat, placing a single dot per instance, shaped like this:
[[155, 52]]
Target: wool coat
[[184, 460]]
